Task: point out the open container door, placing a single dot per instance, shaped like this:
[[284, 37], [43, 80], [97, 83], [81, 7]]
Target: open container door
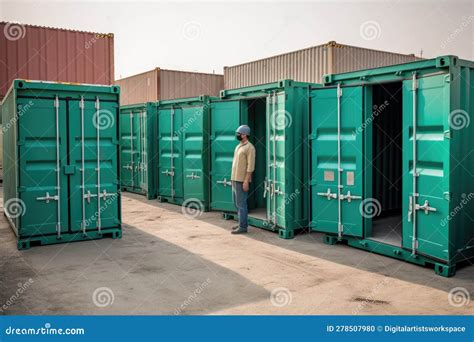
[[337, 161], [426, 145], [277, 123], [225, 118]]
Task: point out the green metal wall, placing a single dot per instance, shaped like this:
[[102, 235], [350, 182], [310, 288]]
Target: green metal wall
[[437, 204], [61, 162], [281, 147], [183, 153], [138, 149]]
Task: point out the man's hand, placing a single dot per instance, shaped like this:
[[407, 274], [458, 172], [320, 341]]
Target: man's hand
[[245, 186]]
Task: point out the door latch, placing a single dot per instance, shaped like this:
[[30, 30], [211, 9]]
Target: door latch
[[327, 194], [193, 176], [350, 197], [48, 198], [278, 191], [266, 187], [168, 173], [225, 182], [425, 207]]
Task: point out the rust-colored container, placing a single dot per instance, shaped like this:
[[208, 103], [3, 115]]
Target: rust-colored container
[[51, 54], [161, 84]]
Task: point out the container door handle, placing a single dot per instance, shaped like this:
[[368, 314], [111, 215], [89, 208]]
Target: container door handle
[[168, 173], [48, 198], [193, 176], [350, 197], [225, 182], [278, 191], [266, 188], [425, 207], [410, 208], [327, 194]]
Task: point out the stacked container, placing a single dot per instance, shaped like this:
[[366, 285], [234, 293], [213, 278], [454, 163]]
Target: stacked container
[[183, 152], [138, 149], [392, 161], [61, 162], [277, 114]]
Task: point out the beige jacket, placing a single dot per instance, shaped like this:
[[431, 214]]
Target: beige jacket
[[243, 162]]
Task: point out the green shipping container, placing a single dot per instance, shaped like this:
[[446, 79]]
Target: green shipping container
[[183, 156], [61, 167], [138, 151], [278, 115], [392, 162]]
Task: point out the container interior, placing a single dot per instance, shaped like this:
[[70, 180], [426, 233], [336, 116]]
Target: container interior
[[256, 109], [387, 113]]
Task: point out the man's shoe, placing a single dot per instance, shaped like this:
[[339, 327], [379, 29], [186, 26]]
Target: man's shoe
[[235, 228], [239, 231]]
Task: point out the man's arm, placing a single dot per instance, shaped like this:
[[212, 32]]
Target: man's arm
[[250, 168]]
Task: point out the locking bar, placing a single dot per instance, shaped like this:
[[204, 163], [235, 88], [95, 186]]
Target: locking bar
[[339, 168], [99, 220], [274, 164], [83, 170], [172, 152], [58, 175], [415, 173], [48, 198], [225, 182], [131, 149], [329, 195], [349, 197]]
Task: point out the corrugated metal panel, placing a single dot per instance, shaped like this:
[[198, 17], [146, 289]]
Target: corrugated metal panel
[[350, 58], [180, 84], [139, 88], [304, 65], [309, 65], [51, 54]]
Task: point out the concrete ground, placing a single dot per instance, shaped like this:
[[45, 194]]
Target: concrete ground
[[167, 263]]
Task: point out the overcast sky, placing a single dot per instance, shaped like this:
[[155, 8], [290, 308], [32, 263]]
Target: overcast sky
[[205, 36]]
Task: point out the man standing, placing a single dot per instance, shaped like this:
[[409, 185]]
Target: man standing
[[243, 165]]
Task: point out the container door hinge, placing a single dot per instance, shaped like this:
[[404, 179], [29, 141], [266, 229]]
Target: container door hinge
[[447, 195], [448, 78], [312, 136], [447, 134]]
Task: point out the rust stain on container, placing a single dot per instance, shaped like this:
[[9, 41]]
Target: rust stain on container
[[309, 65], [52, 54], [162, 84]]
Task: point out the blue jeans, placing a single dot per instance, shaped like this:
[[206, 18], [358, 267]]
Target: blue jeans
[[239, 197]]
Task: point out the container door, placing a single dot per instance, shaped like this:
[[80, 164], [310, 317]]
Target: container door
[[143, 162], [126, 148], [275, 182], [225, 118], [93, 165], [42, 147], [336, 115], [193, 164], [426, 150], [170, 153], [136, 151]]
